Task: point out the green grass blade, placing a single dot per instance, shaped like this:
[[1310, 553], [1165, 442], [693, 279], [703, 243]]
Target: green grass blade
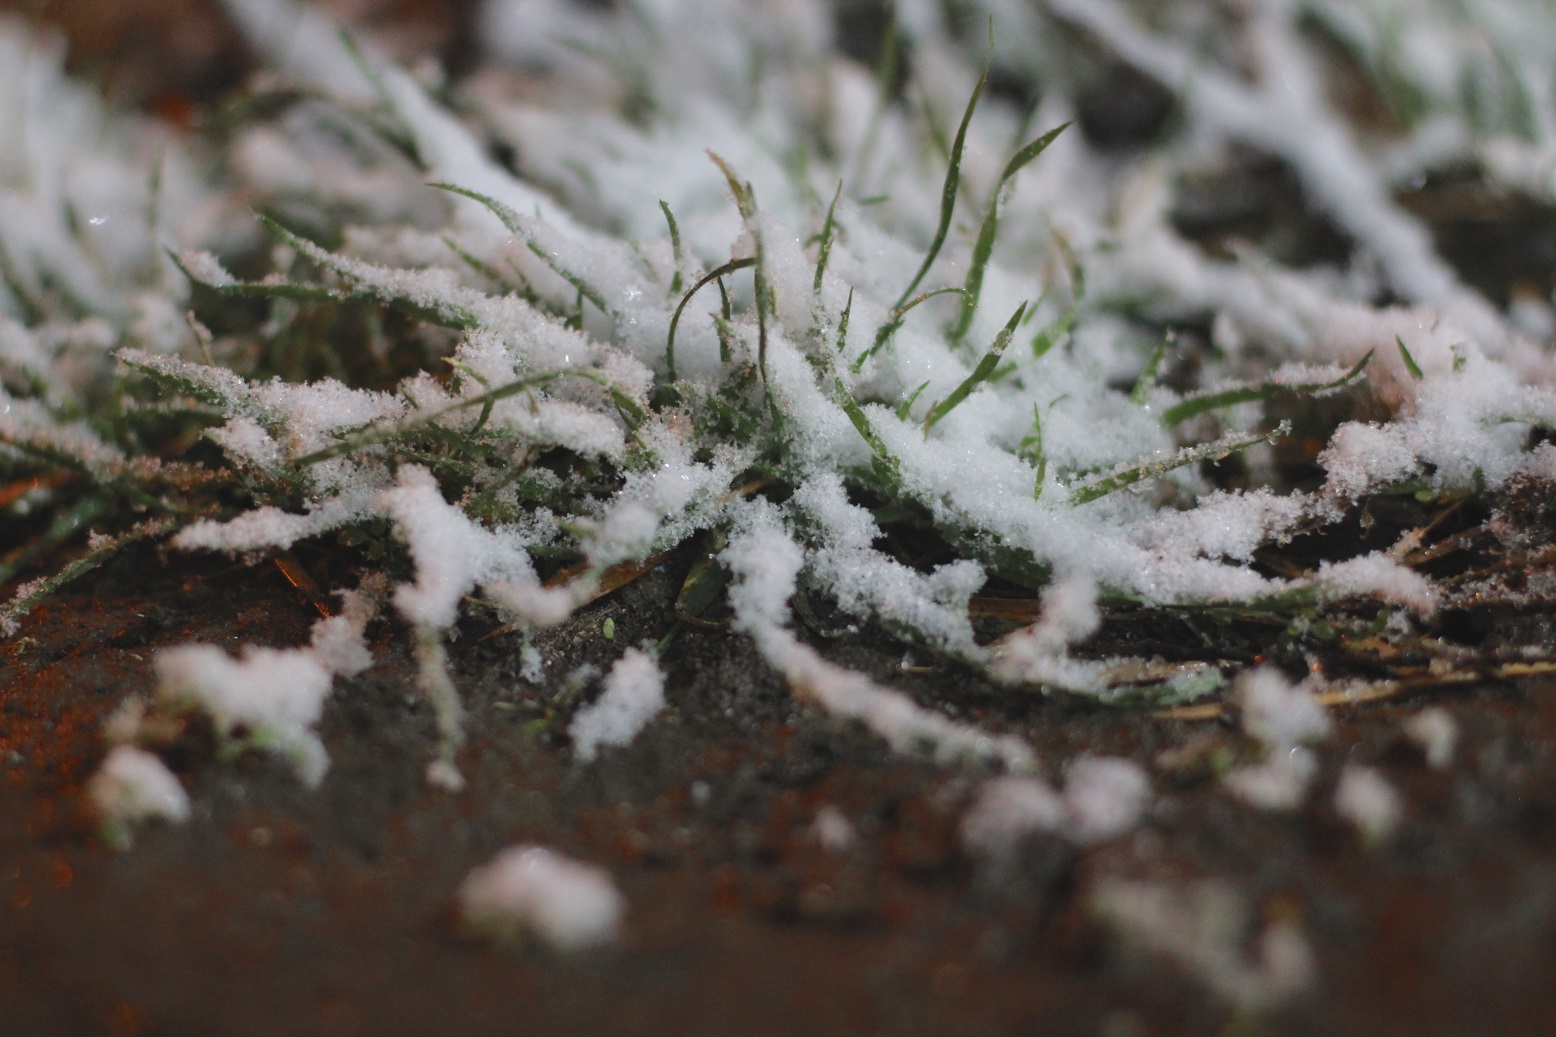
[[842, 323], [906, 406], [948, 191], [373, 437], [511, 220], [766, 302], [65, 525], [1410, 361], [1128, 476], [894, 321], [435, 311], [1031, 451], [1049, 335], [980, 374], [262, 289], [983, 249], [1147, 380], [703, 282], [824, 253], [675, 247], [31, 593], [1199, 404], [860, 420]]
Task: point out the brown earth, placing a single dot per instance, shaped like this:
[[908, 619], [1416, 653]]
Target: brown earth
[[279, 911]]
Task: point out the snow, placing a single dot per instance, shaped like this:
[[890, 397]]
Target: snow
[[1379, 576], [1103, 798], [1009, 808], [1284, 718], [452, 552], [133, 786], [634, 695], [832, 830], [1366, 800], [1436, 732], [1200, 927], [265, 696], [337, 641], [1277, 713], [538, 892], [1039, 654], [1279, 783], [766, 562], [204, 267]]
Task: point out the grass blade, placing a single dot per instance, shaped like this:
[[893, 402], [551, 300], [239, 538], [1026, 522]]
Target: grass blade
[[1199, 404], [980, 374], [703, 282], [984, 248], [894, 320], [825, 251], [513, 222], [948, 191], [1410, 361], [1128, 476], [1031, 451], [675, 247], [434, 310], [1147, 380], [766, 303], [1050, 334]]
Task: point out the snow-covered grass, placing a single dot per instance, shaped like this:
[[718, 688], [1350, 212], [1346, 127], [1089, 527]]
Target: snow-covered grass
[[912, 351]]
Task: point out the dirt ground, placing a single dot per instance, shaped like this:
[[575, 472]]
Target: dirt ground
[[280, 911]]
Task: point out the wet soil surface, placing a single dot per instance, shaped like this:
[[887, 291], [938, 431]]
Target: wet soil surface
[[277, 910]]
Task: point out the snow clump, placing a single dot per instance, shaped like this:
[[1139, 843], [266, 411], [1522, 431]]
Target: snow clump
[[1365, 798], [534, 891], [265, 697], [634, 695], [1283, 718], [133, 786], [1436, 732], [1104, 798], [1201, 927]]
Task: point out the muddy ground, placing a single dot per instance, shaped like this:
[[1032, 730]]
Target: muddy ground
[[280, 911]]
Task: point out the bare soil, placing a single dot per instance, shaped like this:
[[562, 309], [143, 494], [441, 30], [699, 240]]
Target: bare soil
[[277, 910]]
